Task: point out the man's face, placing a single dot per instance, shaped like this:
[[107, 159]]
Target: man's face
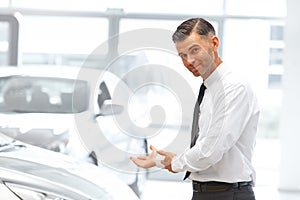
[[197, 54]]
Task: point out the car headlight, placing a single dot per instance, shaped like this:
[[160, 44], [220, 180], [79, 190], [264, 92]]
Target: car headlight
[[24, 192]]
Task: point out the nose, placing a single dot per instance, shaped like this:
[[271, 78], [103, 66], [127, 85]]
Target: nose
[[190, 59]]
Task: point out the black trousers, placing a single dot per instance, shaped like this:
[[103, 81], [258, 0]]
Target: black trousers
[[243, 193]]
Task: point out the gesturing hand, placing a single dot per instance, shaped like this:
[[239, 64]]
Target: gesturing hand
[[146, 161], [167, 161]]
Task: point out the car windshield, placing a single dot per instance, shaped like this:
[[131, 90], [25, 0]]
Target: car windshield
[[42, 95]]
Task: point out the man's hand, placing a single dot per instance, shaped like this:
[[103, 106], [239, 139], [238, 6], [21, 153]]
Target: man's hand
[[146, 161], [150, 161], [167, 161]]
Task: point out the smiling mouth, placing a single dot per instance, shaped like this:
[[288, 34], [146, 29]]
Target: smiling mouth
[[194, 68]]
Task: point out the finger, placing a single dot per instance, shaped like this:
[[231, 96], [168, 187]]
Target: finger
[[135, 161], [138, 159], [165, 162], [161, 152], [153, 148], [141, 158], [133, 158], [138, 162], [169, 168]]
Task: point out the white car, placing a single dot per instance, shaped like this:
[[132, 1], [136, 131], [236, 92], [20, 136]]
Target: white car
[[71, 110], [30, 172]]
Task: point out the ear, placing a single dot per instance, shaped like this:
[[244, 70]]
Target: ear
[[215, 42]]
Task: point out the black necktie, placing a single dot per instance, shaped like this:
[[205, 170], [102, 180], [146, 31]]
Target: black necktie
[[195, 126]]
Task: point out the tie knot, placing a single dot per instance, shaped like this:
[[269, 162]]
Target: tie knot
[[203, 87], [201, 93]]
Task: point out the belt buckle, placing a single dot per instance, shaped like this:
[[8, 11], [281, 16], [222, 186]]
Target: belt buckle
[[199, 187], [218, 188], [203, 187]]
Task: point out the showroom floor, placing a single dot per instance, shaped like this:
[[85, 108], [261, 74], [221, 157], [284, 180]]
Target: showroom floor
[[266, 186]]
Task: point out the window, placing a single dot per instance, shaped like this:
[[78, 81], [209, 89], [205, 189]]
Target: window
[[256, 8], [276, 56], [276, 50], [41, 94], [88, 5], [276, 32], [196, 7], [4, 3], [274, 80], [61, 40]]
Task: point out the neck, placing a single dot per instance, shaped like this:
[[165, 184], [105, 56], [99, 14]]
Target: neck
[[214, 66]]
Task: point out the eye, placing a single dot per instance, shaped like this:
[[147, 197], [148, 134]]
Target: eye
[[195, 50], [183, 56]]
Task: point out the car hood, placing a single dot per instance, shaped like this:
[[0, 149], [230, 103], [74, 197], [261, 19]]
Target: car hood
[[45, 178], [56, 169]]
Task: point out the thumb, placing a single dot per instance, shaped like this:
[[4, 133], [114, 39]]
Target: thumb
[[161, 152], [153, 148]]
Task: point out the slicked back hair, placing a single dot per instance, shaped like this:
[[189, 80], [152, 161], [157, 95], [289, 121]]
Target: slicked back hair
[[198, 25]]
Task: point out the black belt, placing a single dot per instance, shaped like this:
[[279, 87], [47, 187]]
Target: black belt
[[218, 186]]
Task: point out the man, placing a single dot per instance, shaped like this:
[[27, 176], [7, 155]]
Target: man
[[219, 159]]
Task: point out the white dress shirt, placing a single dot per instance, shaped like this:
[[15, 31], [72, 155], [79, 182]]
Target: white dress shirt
[[227, 130]]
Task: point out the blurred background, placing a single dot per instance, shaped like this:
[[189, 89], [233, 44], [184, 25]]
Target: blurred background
[[259, 38]]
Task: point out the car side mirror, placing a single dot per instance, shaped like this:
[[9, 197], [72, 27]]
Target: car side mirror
[[108, 108]]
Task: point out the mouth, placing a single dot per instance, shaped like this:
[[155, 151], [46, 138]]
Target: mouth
[[194, 70]]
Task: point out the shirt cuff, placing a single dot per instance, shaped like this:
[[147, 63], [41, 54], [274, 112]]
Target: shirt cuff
[[178, 163]]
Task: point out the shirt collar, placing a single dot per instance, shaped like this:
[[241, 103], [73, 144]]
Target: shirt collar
[[216, 75]]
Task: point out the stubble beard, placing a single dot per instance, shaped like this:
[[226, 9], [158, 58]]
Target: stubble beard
[[208, 68]]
